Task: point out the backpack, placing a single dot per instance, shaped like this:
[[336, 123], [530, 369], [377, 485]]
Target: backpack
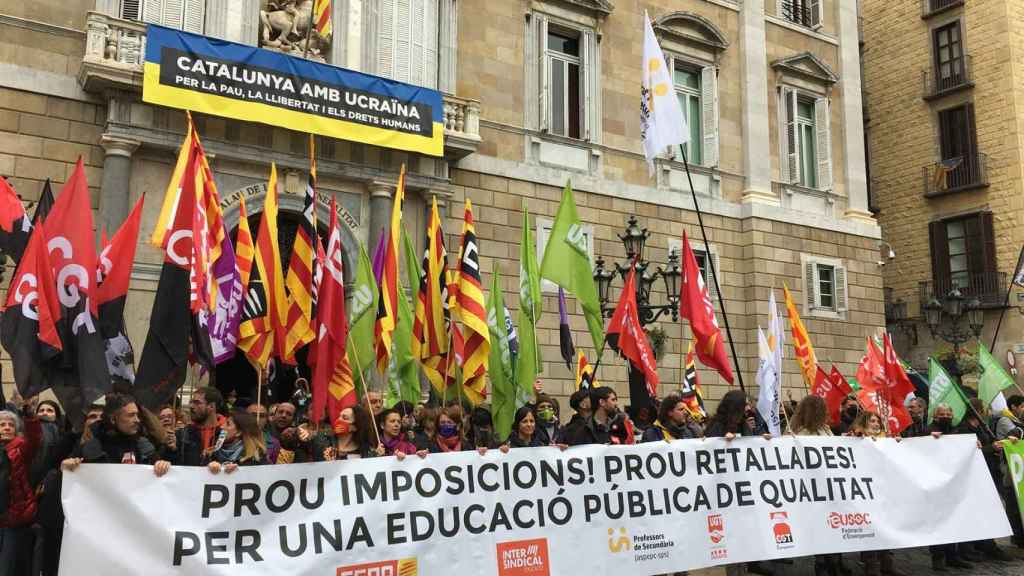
[[5, 481]]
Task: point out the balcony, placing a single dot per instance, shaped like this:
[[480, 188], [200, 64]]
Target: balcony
[[935, 85], [955, 175], [930, 8], [988, 287], [797, 12], [115, 50]]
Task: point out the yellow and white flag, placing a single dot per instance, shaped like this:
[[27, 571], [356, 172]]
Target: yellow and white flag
[[661, 120]]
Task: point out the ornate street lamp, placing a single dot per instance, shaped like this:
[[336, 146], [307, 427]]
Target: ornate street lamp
[[634, 239], [945, 318]]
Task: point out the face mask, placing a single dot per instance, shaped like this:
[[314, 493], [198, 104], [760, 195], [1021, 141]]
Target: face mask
[[342, 428], [944, 423], [546, 415], [851, 411], [447, 429]]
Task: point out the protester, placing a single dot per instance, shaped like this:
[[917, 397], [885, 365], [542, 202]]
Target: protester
[[1010, 428], [580, 403], [241, 444], [406, 410], [19, 447], [524, 430], [193, 440], [282, 418], [117, 439], [351, 437], [974, 423], [259, 412], [673, 423], [395, 444], [426, 428], [168, 417], [731, 419], [375, 402], [849, 409], [449, 436], [918, 409], [951, 555], [549, 428], [597, 428], [869, 425]]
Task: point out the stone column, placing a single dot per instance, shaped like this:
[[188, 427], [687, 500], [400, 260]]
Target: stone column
[[117, 173], [854, 164], [757, 163], [380, 211]]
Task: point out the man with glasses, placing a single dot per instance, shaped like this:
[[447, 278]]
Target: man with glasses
[[201, 433]]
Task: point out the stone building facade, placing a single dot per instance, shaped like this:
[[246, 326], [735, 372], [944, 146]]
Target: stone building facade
[[944, 81], [536, 93]]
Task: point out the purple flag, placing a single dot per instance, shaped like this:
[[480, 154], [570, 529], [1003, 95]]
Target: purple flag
[[378, 257], [224, 327], [564, 333]]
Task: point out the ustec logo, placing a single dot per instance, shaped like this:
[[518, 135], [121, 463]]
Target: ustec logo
[[403, 567], [837, 520]]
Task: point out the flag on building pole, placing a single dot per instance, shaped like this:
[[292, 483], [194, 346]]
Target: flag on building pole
[[528, 363], [584, 373], [301, 269], [661, 120], [322, 17], [943, 390], [626, 336], [472, 313], [768, 395], [433, 321], [802, 347], [567, 263], [387, 305], [994, 378], [696, 306], [691, 391], [564, 331], [503, 385]]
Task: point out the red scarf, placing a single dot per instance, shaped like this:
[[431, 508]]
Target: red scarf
[[453, 444]]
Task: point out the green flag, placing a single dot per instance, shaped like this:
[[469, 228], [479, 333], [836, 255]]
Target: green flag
[[1015, 462], [943, 390], [567, 263], [993, 378], [362, 315], [528, 363], [403, 371], [499, 368]]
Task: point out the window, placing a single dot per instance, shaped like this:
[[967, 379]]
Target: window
[[964, 256], [187, 15], [566, 79], [688, 91], [406, 41], [806, 139], [960, 164], [803, 12], [825, 286], [949, 56]]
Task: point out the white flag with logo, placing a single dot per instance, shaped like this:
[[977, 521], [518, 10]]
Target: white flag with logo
[[661, 120], [768, 384]]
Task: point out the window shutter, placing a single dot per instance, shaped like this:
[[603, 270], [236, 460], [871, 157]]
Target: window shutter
[[386, 38], [709, 113], [587, 66], [824, 145], [403, 39], [940, 253], [810, 286], [417, 40], [814, 7], [840, 288], [783, 135], [428, 76], [152, 11], [195, 16], [131, 10], [543, 69], [988, 241], [792, 149], [173, 14]]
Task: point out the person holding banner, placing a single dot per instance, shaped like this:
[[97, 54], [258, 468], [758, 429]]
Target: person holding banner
[[596, 429], [352, 437], [673, 423], [391, 437], [116, 439], [240, 443], [869, 425], [730, 419], [524, 430], [193, 440], [952, 555], [548, 427]]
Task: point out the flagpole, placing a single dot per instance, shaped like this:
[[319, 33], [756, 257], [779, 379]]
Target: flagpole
[[714, 273], [309, 31], [1006, 302], [366, 390]]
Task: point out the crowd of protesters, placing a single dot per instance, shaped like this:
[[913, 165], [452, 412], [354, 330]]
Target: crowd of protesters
[[38, 445]]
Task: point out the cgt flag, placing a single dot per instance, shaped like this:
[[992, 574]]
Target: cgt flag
[[626, 335], [695, 305], [15, 226]]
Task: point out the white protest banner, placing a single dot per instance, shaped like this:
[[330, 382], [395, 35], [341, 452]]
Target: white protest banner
[[647, 509]]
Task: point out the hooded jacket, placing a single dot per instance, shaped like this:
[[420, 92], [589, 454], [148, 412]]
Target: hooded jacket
[[21, 500]]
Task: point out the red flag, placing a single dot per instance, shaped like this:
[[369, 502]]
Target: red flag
[[626, 336], [896, 377], [696, 306], [71, 243], [115, 260], [832, 389], [884, 385], [333, 386], [11, 210]]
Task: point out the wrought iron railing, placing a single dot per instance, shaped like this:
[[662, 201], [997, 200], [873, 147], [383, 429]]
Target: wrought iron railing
[[951, 175], [936, 81], [988, 287]]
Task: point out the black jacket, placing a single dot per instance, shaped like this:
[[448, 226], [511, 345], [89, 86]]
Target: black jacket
[[587, 432], [657, 432], [190, 448], [545, 437], [515, 441], [108, 446], [916, 429], [716, 429], [987, 438]]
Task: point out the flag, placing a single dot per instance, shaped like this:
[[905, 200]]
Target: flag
[[661, 121], [333, 385], [1014, 452], [262, 332], [387, 304], [165, 220], [472, 313], [301, 268], [993, 379], [322, 17], [433, 321], [696, 306], [113, 277], [503, 385], [776, 335], [82, 376], [567, 263], [29, 331], [564, 332], [895, 374], [943, 390], [801, 341], [768, 385], [403, 375], [943, 169], [227, 315], [15, 226], [691, 386], [44, 205], [528, 362], [833, 389], [584, 373], [626, 336], [884, 386], [1018, 272], [244, 250], [362, 315]]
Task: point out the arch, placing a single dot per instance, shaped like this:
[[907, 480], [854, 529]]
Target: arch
[[685, 26]]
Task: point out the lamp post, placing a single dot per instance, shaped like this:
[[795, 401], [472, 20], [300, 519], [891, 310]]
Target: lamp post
[[634, 240], [946, 318]]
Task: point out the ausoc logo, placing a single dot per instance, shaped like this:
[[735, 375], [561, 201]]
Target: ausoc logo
[[620, 544]]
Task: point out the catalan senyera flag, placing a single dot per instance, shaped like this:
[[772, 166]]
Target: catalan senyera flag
[[322, 17], [300, 271], [244, 248], [263, 318], [472, 313], [802, 347], [433, 320], [584, 372], [387, 306]]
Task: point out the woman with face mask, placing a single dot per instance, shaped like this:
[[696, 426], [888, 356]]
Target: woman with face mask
[[548, 426], [351, 438], [448, 435]]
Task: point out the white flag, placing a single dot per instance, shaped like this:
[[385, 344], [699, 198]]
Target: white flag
[[661, 120], [776, 336], [768, 385]]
